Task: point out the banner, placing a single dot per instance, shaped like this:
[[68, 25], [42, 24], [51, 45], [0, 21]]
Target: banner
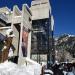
[[24, 42]]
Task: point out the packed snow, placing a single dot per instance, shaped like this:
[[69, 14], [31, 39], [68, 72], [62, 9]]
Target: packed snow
[[9, 68]]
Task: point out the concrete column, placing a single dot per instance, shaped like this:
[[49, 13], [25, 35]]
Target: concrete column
[[29, 45]]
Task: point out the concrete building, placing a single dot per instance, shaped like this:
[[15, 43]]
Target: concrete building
[[20, 22], [41, 24], [41, 9]]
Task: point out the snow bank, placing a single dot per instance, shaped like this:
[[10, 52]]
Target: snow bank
[[9, 68], [6, 67], [35, 65]]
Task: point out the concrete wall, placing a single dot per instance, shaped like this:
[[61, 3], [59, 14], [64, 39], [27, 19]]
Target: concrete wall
[[40, 9]]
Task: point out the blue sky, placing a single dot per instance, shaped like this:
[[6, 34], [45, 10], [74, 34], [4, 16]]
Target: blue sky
[[64, 15], [63, 11]]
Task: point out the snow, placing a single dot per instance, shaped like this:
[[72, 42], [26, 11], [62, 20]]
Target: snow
[[35, 66], [9, 68], [71, 35]]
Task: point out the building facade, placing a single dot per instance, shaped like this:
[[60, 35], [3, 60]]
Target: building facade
[[20, 22], [41, 24]]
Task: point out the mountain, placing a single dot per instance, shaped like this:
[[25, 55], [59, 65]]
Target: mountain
[[65, 47]]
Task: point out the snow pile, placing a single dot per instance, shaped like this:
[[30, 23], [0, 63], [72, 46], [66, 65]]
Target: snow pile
[[6, 67], [18, 71], [35, 66], [37, 69], [29, 70], [33, 69], [9, 68]]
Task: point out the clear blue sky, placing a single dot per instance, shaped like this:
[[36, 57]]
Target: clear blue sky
[[64, 15], [63, 11]]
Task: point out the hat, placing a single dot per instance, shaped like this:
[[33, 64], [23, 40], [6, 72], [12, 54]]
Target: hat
[[10, 33]]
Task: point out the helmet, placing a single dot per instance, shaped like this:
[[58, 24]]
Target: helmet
[[9, 33]]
